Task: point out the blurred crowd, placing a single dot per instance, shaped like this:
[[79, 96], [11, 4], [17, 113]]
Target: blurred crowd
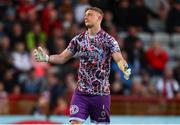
[[27, 24]]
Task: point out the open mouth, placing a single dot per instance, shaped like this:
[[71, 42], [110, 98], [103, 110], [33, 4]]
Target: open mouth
[[85, 21]]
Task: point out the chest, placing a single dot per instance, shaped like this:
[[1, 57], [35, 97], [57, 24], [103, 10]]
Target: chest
[[93, 45], [92, 49]]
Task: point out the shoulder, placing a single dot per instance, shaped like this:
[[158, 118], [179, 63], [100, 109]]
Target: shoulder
[[104, 34], [80, 36], [107, 37]]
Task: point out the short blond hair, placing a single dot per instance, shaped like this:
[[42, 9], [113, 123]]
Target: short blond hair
[[95, 9]]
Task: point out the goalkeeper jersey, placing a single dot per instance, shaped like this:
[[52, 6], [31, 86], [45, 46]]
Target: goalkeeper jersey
[[95, 57]]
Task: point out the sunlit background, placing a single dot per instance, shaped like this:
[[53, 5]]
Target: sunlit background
[[148, 33]]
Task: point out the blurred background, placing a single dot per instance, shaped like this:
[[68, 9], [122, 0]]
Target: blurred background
[[147, 31]]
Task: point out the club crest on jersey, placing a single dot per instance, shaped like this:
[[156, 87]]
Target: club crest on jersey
[[74, 109]]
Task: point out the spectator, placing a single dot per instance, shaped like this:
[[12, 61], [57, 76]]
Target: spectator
[[21, 58], [167, 86], [66, 6], [138, 89], [16, 34], [9, 19], [140, 14], [32, 16], [1, 30], [147, 82], [62, 107], [32, 84], [4, 106], [5, 58], [67, 21], [17, 90], [122, 15], [117, 88], [50, 19], [177, 72], [25, 6], [156, 5], [59, 45], [74, 30], [56, 88], [157, 59], [9, 80], [79, 10], [35, 37], [130, 41], [160, 7], [51, 40], [41, 108], [23, 9], [108, 20], [138, 57], [145, 77], [131, 38], [173, 18], [45, 15]]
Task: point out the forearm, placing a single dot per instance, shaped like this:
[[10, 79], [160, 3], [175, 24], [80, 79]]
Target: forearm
[[60, 58], [56, 59], [121, 62]]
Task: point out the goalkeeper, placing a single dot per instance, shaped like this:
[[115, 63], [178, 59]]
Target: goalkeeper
[[95, 48]]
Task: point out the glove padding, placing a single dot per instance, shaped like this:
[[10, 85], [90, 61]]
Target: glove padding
[[127, 72], [40, 55]]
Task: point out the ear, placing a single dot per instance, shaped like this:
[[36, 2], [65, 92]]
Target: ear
[[99, 17]]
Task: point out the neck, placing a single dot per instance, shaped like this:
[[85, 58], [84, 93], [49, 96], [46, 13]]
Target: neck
[[93, 30]]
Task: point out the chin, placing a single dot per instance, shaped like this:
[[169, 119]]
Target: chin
[[88, 25]]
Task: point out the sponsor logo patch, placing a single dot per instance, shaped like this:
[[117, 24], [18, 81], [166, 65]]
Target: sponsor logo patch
[[103, 113], [74, 109]]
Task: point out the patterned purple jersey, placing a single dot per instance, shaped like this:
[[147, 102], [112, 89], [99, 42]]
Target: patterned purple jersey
[[95, 57]]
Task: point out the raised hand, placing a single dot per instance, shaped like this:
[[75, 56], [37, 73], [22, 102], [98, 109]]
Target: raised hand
[[40, 55]]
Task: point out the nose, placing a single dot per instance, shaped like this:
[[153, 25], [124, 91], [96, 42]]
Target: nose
[[85, 16]]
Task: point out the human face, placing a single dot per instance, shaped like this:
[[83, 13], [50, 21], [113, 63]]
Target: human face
[[92, 18]]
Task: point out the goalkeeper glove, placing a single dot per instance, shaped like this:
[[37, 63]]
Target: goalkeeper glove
[[40, 55], [127, 72]]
